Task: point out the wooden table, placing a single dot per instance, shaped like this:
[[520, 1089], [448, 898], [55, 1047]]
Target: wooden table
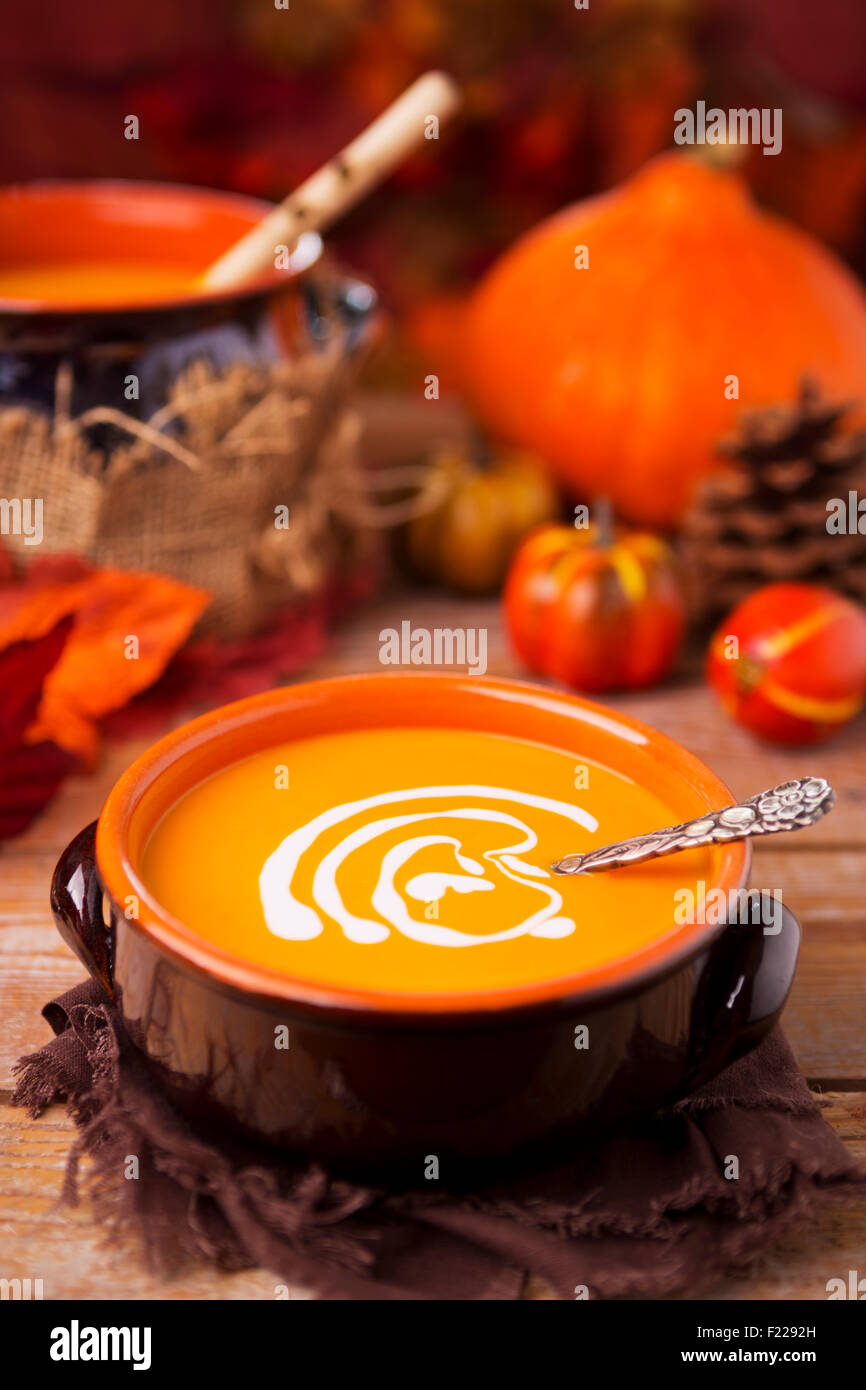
[[821, 874]]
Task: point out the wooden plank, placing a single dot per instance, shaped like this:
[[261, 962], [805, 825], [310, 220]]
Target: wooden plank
[[398, 428], [62, 1245], [799, 1265], [824, 1014], [684, 708], [821, 887], [824, 1017], [826, 1247], [694, 718], [65, 1248], [819, 874], [78, 802]]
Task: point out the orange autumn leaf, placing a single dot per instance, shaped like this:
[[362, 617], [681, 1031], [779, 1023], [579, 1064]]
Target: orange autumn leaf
[[127, 627], [33, 605]]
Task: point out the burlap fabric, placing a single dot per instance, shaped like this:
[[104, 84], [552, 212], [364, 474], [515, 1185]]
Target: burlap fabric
[[199, 491]]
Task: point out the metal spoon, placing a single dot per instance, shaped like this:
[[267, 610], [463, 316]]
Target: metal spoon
[[790, 806]]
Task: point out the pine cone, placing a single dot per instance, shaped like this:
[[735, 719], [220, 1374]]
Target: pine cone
[[766, 518]]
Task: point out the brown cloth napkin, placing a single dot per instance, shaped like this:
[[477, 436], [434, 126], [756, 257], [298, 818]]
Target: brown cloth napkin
[[637, 1214]]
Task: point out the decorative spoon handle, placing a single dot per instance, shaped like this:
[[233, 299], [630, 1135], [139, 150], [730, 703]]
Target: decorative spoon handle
[[790, 806]]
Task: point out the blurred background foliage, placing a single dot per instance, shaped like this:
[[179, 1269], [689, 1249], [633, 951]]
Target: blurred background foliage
[[559, 103]]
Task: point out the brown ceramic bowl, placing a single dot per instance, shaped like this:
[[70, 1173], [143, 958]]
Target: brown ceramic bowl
[[376, 1078]]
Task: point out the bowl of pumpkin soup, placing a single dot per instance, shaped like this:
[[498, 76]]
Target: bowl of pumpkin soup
[[328, 918]]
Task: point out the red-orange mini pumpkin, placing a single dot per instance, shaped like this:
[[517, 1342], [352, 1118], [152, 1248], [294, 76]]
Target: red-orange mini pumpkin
[[595, 612], [790, 662], [620, 373]]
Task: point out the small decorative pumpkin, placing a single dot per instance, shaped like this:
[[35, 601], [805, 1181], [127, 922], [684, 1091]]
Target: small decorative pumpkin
[[595, 611], [467, 540], [789, 662], [620, 338]]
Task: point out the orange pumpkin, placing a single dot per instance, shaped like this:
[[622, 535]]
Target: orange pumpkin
[[617, 374], [594, 612]]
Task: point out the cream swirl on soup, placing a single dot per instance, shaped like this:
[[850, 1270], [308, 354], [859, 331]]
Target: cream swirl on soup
[[360, 858], [289, 917]]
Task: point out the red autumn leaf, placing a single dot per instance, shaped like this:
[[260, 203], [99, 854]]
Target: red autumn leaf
[[24, 667], [127, 627], [29, 773], [211, 672]]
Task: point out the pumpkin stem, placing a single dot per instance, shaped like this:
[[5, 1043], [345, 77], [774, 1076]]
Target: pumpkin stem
[[601, 512], [748, 672]]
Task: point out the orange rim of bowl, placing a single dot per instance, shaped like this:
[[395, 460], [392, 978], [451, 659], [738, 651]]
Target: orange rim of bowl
[[120, 879], [251, 211]]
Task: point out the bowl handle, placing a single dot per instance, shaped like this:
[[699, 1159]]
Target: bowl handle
[[76, 902], [742, 991], [350, 304]]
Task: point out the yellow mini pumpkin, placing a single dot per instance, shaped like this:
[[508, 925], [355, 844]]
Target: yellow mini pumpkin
[[467, 540]]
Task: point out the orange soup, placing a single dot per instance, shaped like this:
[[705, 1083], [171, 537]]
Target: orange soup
[[99, 283], [415, 860]]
